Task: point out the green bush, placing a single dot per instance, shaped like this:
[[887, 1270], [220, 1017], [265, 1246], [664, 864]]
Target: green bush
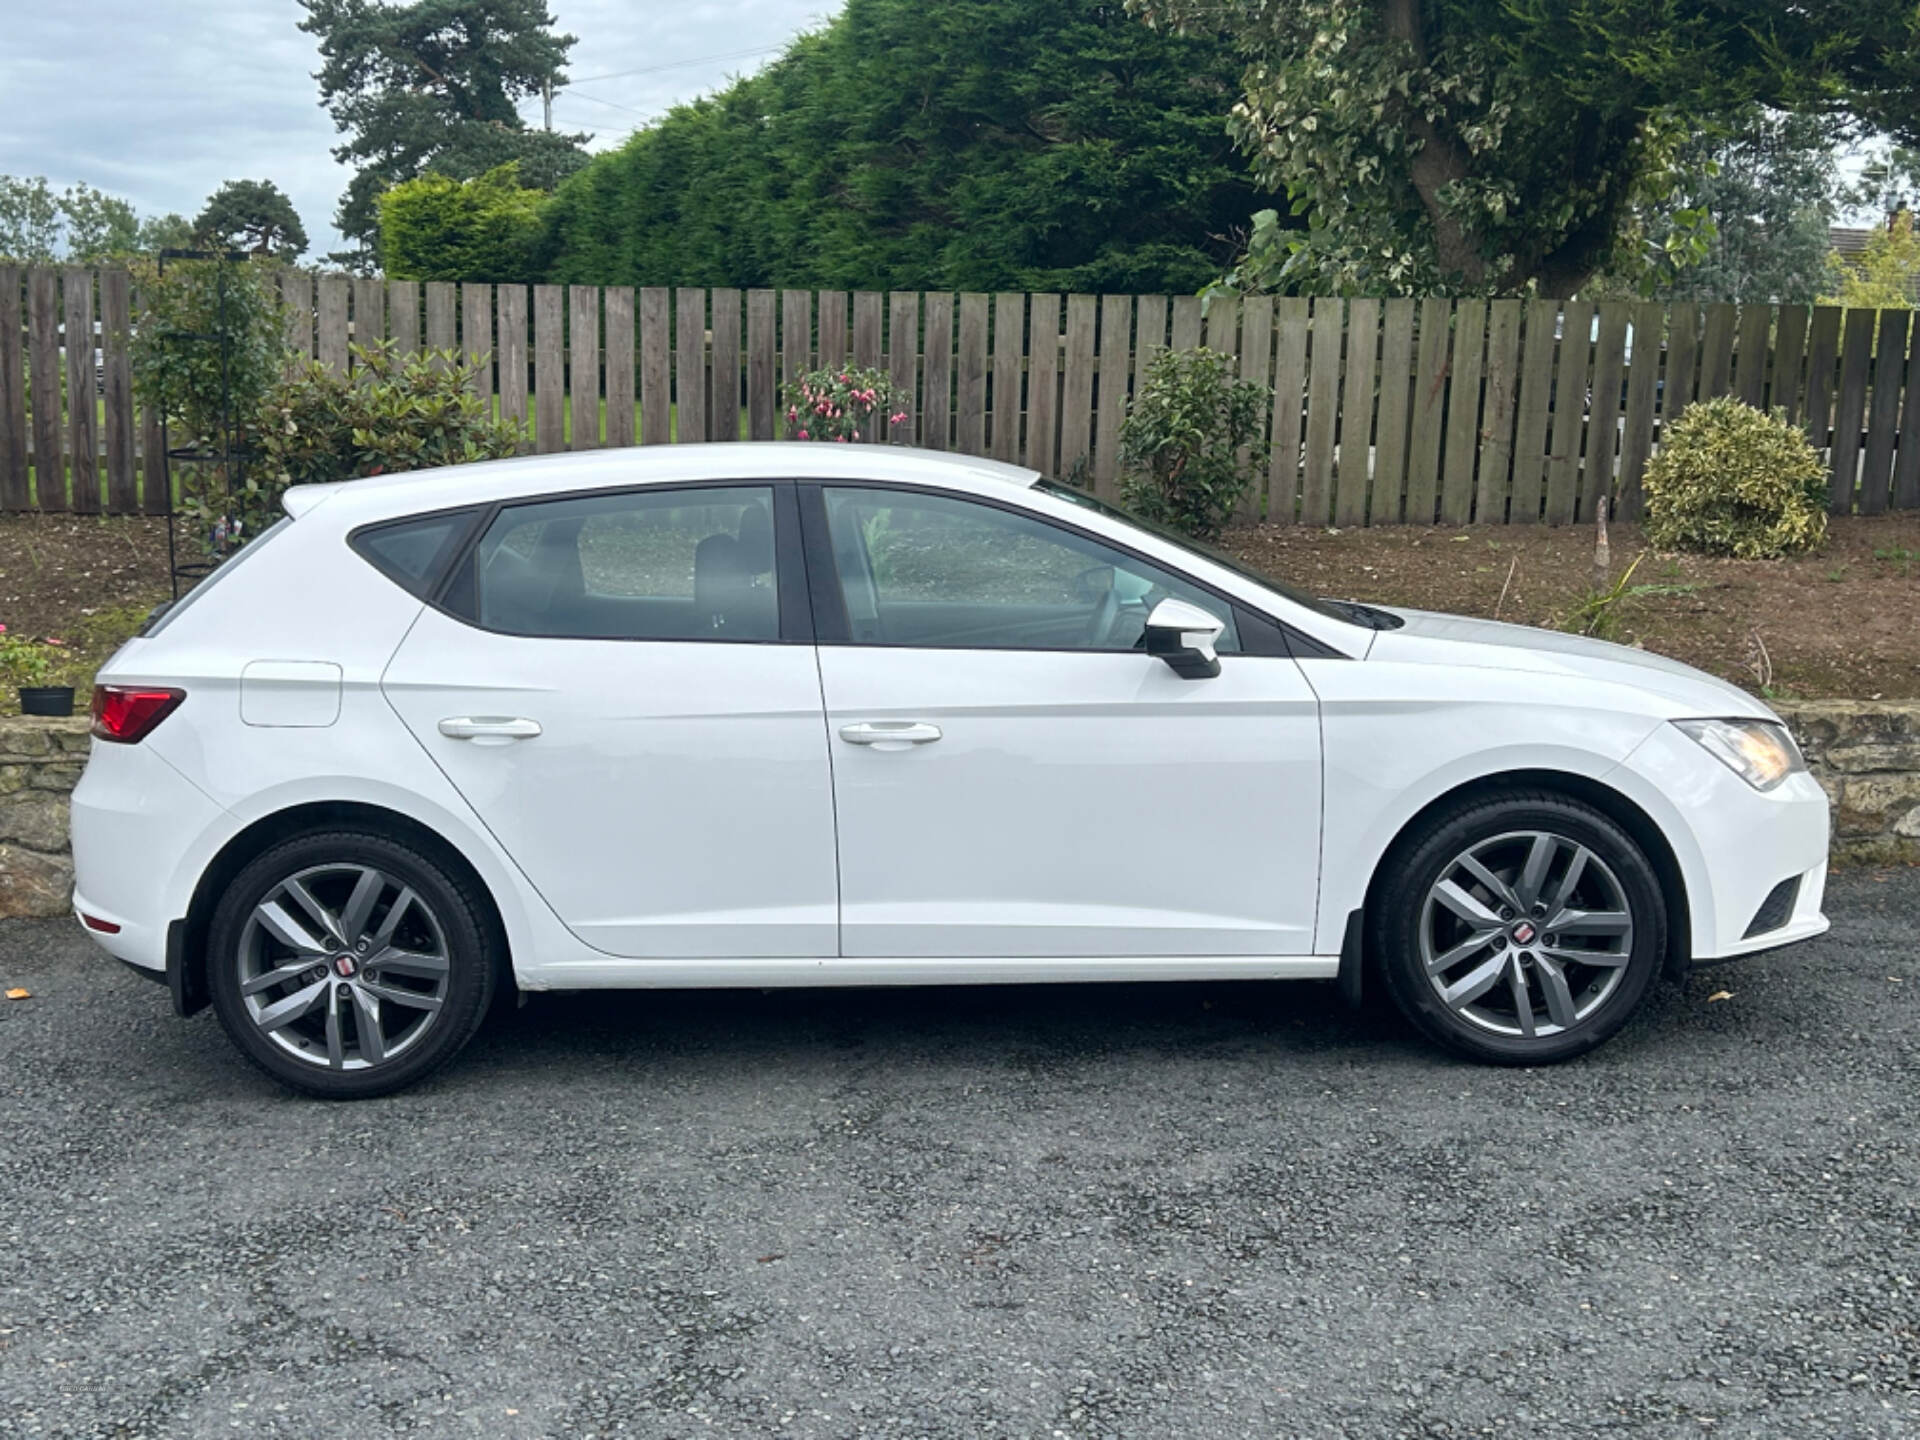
[[1192, 441], [395, 412], [1733, 480], [841, 405], [438, 228], [175, 345]]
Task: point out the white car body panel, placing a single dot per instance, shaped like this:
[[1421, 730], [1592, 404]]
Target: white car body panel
[[1084, 815], [1075, 805], [677, 802]]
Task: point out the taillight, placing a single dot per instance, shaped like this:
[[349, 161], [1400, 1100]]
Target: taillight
[[126, 713]]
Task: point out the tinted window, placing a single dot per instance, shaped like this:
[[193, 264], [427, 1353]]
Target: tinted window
[[1192, 546], [931, 570], [654, 565], [411, 552]]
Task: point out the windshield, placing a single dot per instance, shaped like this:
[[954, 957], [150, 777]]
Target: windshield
[[1194, 547]]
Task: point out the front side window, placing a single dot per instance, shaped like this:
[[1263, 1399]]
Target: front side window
[[648, 565], [934, 570]]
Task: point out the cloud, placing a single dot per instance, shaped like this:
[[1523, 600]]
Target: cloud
[[162, 100]]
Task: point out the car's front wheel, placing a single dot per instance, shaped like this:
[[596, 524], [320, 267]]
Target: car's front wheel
[[347, 964], [1520, 929]]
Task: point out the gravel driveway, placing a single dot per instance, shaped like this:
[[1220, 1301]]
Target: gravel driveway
[[1182, 1211]]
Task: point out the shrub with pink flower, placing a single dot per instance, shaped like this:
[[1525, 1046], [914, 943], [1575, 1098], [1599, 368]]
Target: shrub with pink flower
[[844, 406]]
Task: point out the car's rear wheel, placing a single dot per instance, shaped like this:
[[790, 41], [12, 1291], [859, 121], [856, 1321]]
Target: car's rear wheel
[[1520, 929], [346, 964]]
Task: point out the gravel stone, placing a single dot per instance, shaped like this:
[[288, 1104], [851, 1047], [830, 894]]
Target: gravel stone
[[1213, 1210]]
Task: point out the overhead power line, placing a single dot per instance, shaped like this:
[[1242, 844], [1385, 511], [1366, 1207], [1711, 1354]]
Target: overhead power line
[[675, 65]]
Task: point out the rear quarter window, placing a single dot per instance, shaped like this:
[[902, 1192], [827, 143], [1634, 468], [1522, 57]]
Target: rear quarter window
[[415, 552]]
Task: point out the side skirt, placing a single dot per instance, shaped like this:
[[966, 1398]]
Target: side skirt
[[963, 970]]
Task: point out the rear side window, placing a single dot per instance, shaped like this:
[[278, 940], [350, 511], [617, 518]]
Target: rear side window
[[412, 553], [695, 564]]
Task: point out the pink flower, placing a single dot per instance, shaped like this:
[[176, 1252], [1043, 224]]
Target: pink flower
[[793, 412], [803, 435], [898, 418]]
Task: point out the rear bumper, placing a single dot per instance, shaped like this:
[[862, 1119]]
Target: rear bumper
[[134, 817]]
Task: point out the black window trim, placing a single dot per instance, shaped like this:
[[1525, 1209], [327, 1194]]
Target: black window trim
[[796, 616], [1261, 635]]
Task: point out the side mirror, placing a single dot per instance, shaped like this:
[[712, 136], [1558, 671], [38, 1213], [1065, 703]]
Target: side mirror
[[1182, 634]]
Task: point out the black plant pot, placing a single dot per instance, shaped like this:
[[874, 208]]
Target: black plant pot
[[46, 699]]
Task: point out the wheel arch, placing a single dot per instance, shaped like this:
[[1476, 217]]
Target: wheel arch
[[1622, 809], [189, 950]]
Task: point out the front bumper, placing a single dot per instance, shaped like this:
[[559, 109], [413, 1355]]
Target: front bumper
[[1735, 844]]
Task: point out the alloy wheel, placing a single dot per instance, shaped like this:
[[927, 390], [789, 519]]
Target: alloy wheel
[[343, 966], [1526, 934]]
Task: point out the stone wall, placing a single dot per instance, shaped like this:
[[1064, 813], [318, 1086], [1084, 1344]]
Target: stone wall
[[1865, 753], [40, 762]]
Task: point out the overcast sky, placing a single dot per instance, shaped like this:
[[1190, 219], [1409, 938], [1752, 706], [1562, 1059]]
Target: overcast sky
[[174, 96]]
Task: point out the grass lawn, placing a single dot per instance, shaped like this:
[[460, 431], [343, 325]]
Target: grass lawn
[[1838, 624]]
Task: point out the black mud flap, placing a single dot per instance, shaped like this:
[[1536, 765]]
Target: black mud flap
[[188, 984], [1353, 959]]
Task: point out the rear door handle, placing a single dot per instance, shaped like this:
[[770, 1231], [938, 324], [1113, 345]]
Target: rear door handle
[[890, 734], [488, 729]]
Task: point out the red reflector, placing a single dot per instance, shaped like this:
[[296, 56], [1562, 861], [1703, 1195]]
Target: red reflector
[[125, 713], [94, 922]]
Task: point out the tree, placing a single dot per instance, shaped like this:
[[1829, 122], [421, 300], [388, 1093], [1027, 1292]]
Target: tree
[[434, 85], [1500, 146], [251, 215], [99, 226], [1887, 274], [438, 228], [29, 220], [977, 144], [164, 232], [1747, 219]]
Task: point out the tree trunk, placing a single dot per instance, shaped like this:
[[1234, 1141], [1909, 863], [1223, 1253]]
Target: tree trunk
[[1438, 163]]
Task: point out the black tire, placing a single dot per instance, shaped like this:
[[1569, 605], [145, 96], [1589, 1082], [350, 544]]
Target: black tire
[[445, 903], [1418, 864]]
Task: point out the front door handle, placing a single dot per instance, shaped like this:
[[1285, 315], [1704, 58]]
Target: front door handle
[[488, 729], [890, 734]]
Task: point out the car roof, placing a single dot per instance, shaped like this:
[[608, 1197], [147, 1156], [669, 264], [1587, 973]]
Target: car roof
[[381, 496]]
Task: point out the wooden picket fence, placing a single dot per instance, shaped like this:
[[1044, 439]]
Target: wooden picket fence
[[1384, 412]]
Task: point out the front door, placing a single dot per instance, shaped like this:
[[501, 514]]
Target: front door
[[1014, 778], [627, 696]]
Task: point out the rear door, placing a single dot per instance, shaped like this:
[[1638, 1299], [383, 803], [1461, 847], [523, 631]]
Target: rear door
[[623, 686]]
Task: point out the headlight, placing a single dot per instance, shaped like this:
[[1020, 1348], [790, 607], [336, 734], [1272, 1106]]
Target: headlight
[[1758, 751]]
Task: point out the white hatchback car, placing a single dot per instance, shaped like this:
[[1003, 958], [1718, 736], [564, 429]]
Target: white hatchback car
[[765, 715]]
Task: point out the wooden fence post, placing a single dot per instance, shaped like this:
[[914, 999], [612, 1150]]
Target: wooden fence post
[[903, 362], [510, 302], [1043, 386], [583, 370], [549, 369], [762, 399], [724, 421], [1110, 391], [1323, 405], [14, 491], [620, 377], [116, 327], [76, 295], [1076, 393], [1354, 450]]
